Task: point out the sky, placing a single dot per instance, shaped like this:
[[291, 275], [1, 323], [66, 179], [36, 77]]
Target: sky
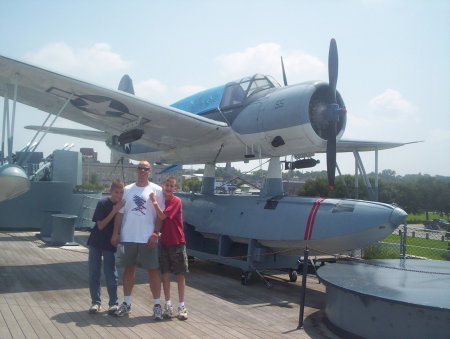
[[394, 60]]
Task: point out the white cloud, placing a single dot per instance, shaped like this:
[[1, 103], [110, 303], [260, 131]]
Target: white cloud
[[150, 89], [155, 91], [383, 118], [95, 60], [390, 106], [265, 58]]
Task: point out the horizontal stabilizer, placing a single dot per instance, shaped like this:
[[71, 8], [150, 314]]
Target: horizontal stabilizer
[[73, 132], [170, 168]]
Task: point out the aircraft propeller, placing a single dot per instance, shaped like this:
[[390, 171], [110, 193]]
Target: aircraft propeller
[[333, 113]]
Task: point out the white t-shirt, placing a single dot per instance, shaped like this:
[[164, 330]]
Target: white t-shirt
[[139, 215]]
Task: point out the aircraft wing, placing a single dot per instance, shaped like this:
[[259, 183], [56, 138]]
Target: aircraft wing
[[106, 110], [364, 146]]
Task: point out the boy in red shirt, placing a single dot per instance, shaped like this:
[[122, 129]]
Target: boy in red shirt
[[173, 257]]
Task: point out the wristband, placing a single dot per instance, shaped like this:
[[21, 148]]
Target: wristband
[[155, 234], [154, 203]]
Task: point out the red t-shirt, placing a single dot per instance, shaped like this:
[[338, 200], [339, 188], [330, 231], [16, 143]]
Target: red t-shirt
[[172, 228]]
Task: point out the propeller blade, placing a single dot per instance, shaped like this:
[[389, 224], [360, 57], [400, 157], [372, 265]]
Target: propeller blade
[[331, 154], [333, 69], [333, 113], [284, 73]]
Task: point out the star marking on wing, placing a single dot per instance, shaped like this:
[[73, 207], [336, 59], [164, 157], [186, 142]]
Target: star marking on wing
[[100, 105], [100, 108]]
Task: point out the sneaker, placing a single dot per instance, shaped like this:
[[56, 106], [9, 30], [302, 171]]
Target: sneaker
[[168, 311], [157, 312], [182, 313], [94, 308], [123, 309], [113, 309]]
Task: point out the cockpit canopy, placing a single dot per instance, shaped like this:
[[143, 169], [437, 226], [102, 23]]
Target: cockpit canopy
[[230, 95], [237, 91]]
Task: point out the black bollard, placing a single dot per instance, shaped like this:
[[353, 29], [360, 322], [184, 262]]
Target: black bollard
[[302, 300]]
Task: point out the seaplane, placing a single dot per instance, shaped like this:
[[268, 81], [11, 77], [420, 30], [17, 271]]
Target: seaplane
[[251, 118]]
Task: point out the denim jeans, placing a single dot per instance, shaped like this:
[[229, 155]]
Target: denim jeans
[[109, 270]]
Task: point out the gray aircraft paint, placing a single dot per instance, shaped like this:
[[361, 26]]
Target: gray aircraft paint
[[283, 225]]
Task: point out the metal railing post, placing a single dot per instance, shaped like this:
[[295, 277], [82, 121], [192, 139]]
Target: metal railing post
[[405, 234]]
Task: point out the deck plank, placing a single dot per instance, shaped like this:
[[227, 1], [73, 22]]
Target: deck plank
[[44, 294], [22, 319], [11, 322], [4, 330]]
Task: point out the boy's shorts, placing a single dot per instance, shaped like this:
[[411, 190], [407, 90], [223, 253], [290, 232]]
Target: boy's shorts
[[173, 259], [132, 254]]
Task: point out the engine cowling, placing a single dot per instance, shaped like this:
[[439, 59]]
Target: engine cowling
[[290, 120]]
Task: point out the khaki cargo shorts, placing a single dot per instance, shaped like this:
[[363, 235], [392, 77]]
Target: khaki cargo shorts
[[137, 254], [173, 259]]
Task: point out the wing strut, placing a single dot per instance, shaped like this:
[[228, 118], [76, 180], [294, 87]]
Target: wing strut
[[47, 129]]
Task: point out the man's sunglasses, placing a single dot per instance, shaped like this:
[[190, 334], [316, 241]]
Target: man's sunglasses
[[143, 168]]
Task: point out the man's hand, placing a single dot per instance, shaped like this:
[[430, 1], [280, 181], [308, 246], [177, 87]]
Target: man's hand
[[114, 239], [152, 196], [118, 206], [152, 241]]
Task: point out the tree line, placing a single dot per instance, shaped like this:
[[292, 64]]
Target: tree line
[[415, 193]]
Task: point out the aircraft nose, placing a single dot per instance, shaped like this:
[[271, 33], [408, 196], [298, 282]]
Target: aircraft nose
[[398, 216]]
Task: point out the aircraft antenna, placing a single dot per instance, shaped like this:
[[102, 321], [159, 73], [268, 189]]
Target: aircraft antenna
[[284, 73]]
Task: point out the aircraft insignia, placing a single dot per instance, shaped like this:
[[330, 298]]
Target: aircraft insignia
[[100, 105]]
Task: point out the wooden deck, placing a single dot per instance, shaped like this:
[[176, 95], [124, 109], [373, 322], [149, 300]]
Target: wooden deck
[[44, 294]]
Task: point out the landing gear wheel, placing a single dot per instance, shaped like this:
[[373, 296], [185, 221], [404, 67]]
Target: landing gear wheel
[[245, 277], [293, 275]]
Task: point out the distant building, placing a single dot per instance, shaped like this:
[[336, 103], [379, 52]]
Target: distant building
[[88, 155], [106, 172]]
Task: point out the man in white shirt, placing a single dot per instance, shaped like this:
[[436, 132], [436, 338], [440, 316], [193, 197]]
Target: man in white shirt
[[136, 225]]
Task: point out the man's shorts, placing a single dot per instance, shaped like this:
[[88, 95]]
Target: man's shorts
[[173, 259], [132, 254]]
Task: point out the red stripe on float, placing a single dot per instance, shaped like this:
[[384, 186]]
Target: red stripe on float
[[308, 222], [311, 219]]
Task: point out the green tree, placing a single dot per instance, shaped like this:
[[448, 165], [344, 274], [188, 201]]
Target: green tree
[[192, 185], [442, 195]]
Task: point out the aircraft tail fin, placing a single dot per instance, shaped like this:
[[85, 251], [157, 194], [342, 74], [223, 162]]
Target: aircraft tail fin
[[126, 84]]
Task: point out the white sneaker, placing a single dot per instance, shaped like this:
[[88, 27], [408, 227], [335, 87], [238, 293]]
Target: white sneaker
[[168, 311], [123, 309], [182, 313], [113, 309], [157, 312], [94, 308]]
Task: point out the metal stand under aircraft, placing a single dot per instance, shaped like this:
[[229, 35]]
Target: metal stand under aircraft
[[372, 192]]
